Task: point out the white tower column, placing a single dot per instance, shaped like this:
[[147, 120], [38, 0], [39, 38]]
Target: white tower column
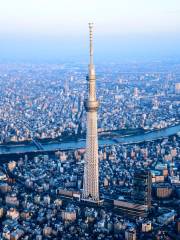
[[91, 168]]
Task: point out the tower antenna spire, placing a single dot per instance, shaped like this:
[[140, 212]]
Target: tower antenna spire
[[91, 42]]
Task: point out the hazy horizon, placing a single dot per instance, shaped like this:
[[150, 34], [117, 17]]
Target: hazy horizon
[[58, 30]]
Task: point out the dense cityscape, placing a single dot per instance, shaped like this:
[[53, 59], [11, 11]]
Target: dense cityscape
[[89, 123], [41, 191], [46, 101]]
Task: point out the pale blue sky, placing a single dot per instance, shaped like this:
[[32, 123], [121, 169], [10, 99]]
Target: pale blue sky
[[58, 28]]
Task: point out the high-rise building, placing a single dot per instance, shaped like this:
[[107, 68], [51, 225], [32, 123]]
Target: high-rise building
[[136, 92], [142, 187], [130, 234], [177, 88], [91, 168]]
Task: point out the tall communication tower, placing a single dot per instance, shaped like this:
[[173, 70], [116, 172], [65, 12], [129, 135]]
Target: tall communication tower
[[91, 169]]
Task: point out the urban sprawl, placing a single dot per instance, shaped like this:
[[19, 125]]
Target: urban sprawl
[[139, 183]]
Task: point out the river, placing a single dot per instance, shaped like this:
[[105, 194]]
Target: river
[[55, 145]]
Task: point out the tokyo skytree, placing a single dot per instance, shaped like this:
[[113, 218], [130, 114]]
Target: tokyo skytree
[[91, 168]]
